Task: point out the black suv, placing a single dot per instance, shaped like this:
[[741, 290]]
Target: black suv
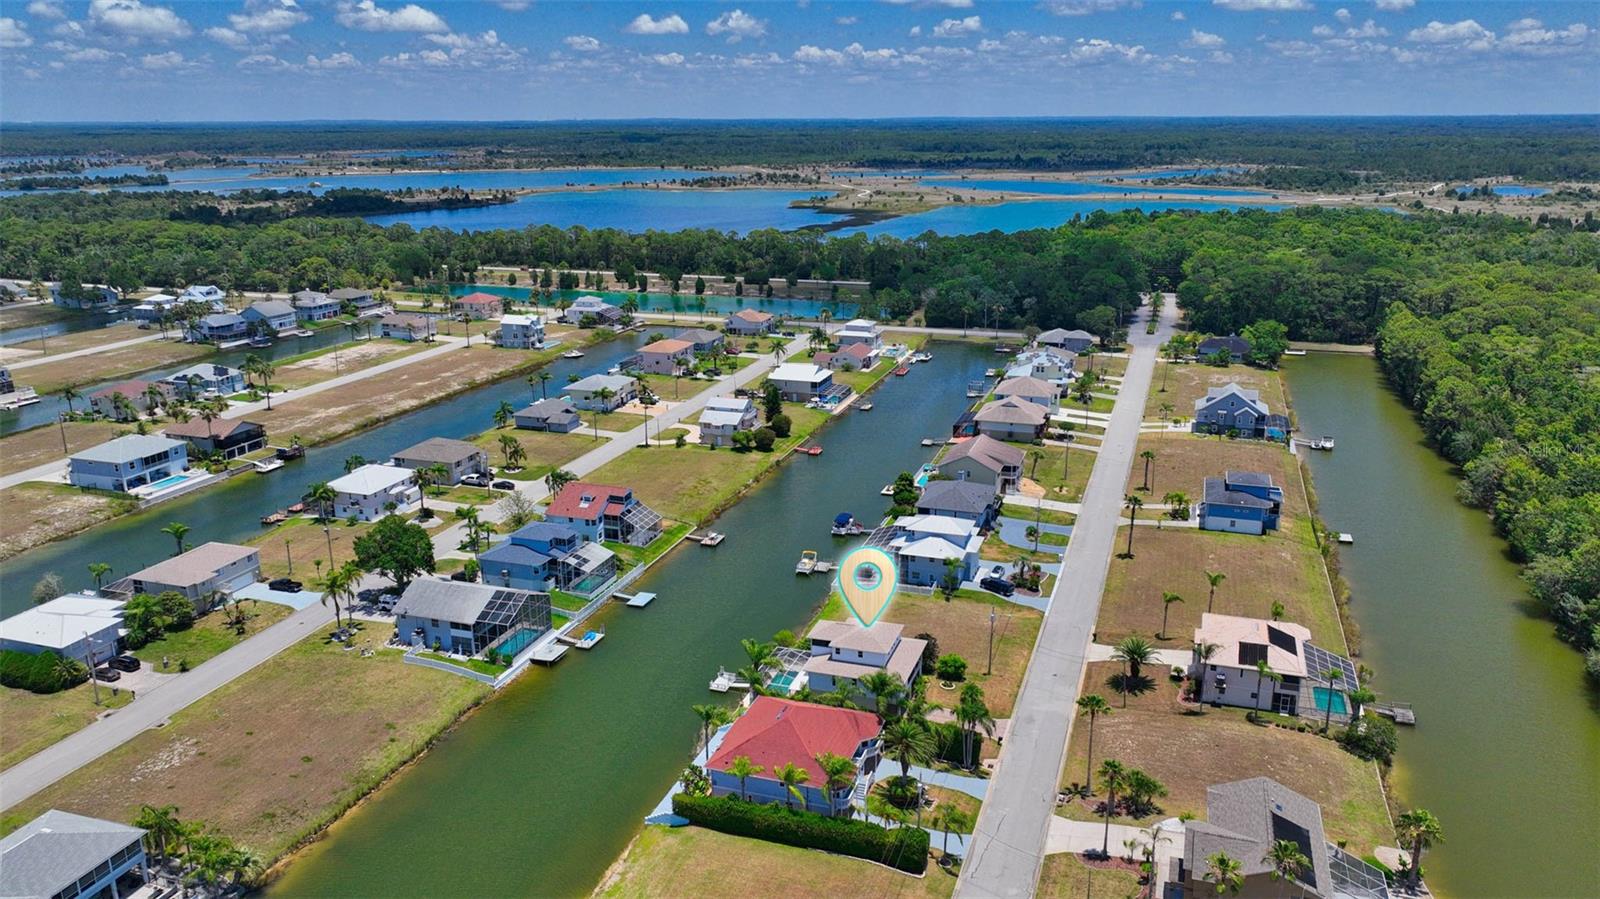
[[123, 663], [998, 585], [285, 585], [107, 674]]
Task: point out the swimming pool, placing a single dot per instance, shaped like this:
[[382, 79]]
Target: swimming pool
[[518, 641], [784, 681], [171, 480], [1322, 696]]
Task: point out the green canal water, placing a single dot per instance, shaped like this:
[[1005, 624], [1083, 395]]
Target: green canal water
[[1506, 751], [542, 788]]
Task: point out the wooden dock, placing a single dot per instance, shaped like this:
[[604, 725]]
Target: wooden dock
[[1401, 712], [587, 641], [637, 600], [549, 653]]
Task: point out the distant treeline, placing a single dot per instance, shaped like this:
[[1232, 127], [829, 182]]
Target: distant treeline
[[73, 182], [1281, 177], [1532, 147]]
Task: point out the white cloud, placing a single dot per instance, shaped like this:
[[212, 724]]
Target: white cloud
[[1263, 5], [92, 54], [581, 43], [1085, 7], [367, 15], [13, 34], [846, 20], [171, 59], [1394, 5], [1531, 36], [339, 60], [645, 24], [1178, 16], [1221, 57], [916, 31], [958, 27], [667, 59], [268, 16], [47, 9], [1368, 29], [69, 29], [948, 4], [131, 18], [1204, 40], [1323, 31], [1295, 49], [228, 38], [1342, 14], [1465, 33], [737, 25], [853, 53], [263, 62], [1101, 50]]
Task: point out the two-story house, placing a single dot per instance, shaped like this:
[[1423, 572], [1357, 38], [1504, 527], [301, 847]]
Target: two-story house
[[458, 458], [855, 357], [477, 306], [593, 309], [205, 379], [925, 545], [228, 437], [967, 500], [1031, 389], [358, 298], [702, 340], [603, 393], [408, 326], [276, 315], [1046, 364], [802, 381], [776, 732], [844, 652], [314, 306], [749, 323], [1244, 502], [1226, 672], [373, 491], [553, 414], [1012, 418], [859, 330], [984, 460], [466, 618], [664, 357], [545, 555], [127, 462], [137, 398], [724, 416], [603, 512], [1231, 409], [522, 332], [220, 327]]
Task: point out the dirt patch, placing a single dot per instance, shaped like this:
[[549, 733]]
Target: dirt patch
[[48, 377], [35, 514], [1187, 382], [962, 628], [36, 446]]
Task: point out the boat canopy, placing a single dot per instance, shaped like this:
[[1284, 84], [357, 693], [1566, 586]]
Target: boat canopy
[[843, 518]]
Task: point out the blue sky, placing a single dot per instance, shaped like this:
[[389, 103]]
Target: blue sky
[[185, 60]]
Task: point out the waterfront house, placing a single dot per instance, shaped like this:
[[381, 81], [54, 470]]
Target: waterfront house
[[801, 381], [206, 379], [704, 340], [407, 326], [127, 462], [1236, 348], [466, 618], [593, 309], [923, 544], [859, 330], [844, 652], [602, 512], [219, 327], [275, 314], [1231, 409], [1244, 502], [458, 457], [984, 460], [477, 306], [544, 555], [373, 491], [358, 298], [855, 357], [1230, 677], [137, 393], [79, 626], [1044, 364], [553, 414], [152, 308], [775, 732], [724, 416], [664, 357], [1031, 389], [229, 437], [209, 294], [586, 393], [84, 296], [1243, 821], [750, 323], [522, 332], [314, 306], [1012, 419], [967, 500], [203, 575], [60, 855], [1074, 341]]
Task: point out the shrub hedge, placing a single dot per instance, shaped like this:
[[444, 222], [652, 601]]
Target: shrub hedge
[[44, 672], [905, 848]]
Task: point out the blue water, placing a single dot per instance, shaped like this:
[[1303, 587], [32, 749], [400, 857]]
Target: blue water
[[1079, 188], [630, 210], [1323, 696], [1022, 215], [1169, 173], [784, 681], [687, 303], [234, 178], [171, 480], [519, 641], [1511, 190]]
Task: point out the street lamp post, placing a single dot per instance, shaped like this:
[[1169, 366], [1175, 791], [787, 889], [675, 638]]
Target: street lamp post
[[88, 649]]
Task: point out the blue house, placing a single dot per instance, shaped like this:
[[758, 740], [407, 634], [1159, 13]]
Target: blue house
[[544, 555], [1232, 409], [468, 619], [1242, 502], [1235, 347], [923, 545]]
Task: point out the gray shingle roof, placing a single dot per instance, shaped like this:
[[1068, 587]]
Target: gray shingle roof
[[52, 851], [272, 308], [1233, 344], [987, 451], [1218, 494], [440, 449], [1240, 821], [128, 448], [956, 496], [445, 600]]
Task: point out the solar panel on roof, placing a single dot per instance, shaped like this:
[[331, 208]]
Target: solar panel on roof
[[1283, 641], [1319, 660], [1284, 829], [1251, 653]]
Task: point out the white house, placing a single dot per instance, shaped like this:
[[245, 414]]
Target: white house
[[201, 574], [314, 306], [859, 330], [79, 626], [604, 313], [585, 393], [151, 308], [368, 492], [664, 357], [407, 326], [130, 461], [844, 652], [522, 332], [923, 544], [86, 296], [801, 381], [202, 293], [206, 379], [1227, 674], [61, 855], [749, 323], [723, 416], [1044, 364]]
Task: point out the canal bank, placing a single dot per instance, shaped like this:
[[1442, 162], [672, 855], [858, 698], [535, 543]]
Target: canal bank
[[563, 765], [1507, 747]]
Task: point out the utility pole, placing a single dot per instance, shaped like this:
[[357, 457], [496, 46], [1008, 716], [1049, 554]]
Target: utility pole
[[989, 667], [287, 557], [61, 423], [88, 649], [329, 534]]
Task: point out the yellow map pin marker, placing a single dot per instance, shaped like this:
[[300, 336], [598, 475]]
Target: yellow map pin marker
[[867, 579]]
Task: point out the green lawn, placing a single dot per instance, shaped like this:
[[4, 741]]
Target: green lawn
[[1062, 479], [571, 602], [634, 556], [211, 635], [34, 721], [478, 665], [1029, 513]]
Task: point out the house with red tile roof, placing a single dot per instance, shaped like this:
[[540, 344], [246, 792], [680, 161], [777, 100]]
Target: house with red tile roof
[[749, 323], [777, 732], [602, 512], [136, 392], [478, 305]]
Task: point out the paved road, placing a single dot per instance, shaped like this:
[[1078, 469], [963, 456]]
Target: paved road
[[1009, 843], [57, 357]]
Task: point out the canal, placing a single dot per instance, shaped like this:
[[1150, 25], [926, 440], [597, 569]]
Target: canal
[[1506, 751], [231, 511], [542, 788]]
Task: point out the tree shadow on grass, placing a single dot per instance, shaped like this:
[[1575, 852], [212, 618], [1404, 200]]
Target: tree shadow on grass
[[1130, 684]]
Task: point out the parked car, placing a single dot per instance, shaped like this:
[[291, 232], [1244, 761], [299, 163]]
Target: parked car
[[124, 663], [503, 485], [998, 585], [107, 674], [476, 480], [285, 585], [998, 571]]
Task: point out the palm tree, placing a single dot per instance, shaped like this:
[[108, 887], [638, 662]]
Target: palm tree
[[1418, 829], [884, 688], [353, 462], [1167, 599], [341, 584], [761, 654], [1032, 533], [838, 773], [1133, 504], [69, 394], [1226, 872], [792, 777], [1332, 676], [948, 818], [428, 476], [323, 497], [1091, 706], [153, 399], [99, 570], [251, 362], [972, 714], [544, 378], [711, 717], [1264, 676], [162, 829], [1135, 652], [177, 530], [605, 394], [742, 768], [1113, 775], [1286, 859], [558, 479], [503, 413], [1213, 578], [908, 742], [509, 447], [1148, 456]]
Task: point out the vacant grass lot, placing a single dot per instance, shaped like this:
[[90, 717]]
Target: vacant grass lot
[[342, 359], [1188, 382], [211, 635], [1106, 365], [693, 861], [48, 377], [277, 753], [1061, 477], [1188, 751], [995, 549], [1065, 876], [36, 446], [546, 450], [1184, 461], [34, 721], [34, 514]]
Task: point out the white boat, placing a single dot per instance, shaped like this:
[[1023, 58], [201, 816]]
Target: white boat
[[16, 399], [865, 407], [1347, 538], [265, 465], [808, 562], [921, 357], [572, 354]]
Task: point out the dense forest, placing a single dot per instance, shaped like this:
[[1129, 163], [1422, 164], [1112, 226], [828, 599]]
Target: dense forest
[[1416, 148]]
